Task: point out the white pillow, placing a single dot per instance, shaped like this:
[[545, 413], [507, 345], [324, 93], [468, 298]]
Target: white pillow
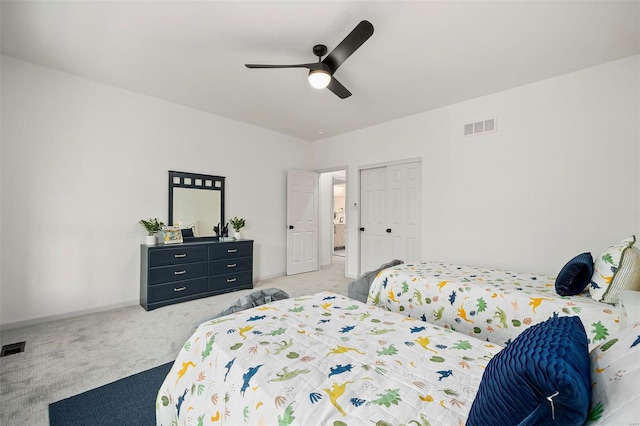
[[615, 379], [616, 269]]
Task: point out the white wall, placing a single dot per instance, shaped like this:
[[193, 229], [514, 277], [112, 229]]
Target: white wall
[[83, 162], [560, 176]]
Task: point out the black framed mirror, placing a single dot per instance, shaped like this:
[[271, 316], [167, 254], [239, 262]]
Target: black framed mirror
[[196, 204]]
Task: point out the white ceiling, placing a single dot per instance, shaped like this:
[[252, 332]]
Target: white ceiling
[[422, 55]]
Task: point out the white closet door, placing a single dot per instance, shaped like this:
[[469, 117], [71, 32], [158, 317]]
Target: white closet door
[[405, 194], [390, 214], [374, 241]]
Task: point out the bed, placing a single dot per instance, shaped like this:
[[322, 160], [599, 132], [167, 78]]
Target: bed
[[318, 360], [492, 305], [325, 359]]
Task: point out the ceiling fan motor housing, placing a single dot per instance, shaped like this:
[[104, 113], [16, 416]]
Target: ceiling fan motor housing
[[319, 50]]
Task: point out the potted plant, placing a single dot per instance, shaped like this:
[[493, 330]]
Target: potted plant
[[237, 223], [153, 227]]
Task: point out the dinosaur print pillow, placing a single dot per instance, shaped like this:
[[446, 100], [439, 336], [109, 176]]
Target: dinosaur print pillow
[[615, 375], [616, 269]]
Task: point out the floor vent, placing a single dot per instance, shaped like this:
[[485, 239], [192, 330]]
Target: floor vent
[[14, 348]]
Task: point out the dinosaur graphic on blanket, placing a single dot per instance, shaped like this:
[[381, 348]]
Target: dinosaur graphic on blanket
[[228, 367], [502, 316], [342, 349], [335, 392], [183, 370], [180, 401], [285, 374], [339, 369], [463, 314], [246, 377], [537, 301]]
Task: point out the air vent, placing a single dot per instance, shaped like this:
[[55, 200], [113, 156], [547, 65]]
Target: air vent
[[480, 127], [14, 348]]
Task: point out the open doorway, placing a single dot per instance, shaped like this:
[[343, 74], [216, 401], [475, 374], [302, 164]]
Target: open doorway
[[333, 217], [339, 246]]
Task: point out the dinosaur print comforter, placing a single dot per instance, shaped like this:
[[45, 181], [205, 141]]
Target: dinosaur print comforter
[[489, 304], [323, 359]]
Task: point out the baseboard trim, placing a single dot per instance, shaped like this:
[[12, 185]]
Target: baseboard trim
[[268, 277], [40, 320]]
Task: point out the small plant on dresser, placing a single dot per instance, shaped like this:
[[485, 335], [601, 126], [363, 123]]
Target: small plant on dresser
[[153, 226], [237, 223]]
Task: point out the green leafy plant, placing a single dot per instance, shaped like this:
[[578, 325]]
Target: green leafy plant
[[152, 225], [237, 223]]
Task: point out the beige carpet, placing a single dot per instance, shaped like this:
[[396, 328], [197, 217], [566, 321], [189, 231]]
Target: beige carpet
[[66, 357]]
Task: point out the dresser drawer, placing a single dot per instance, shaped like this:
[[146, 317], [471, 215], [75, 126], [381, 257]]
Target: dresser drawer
[[177, 289], [186, 271], [229, 250], [238, 279], [177, 255], [228, 266]]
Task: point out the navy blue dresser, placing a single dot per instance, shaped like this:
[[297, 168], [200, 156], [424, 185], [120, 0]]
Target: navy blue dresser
[[177, 273]]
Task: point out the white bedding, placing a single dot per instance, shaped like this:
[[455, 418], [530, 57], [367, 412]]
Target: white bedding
[[322, 360], [489, 304]]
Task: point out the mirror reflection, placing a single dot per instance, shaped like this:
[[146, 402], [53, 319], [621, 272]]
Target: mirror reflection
[[196, 209], [196, 203]]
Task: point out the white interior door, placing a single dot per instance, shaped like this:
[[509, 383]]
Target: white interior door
[[302, 221], [390, 214], [374, 240], [405, 194]]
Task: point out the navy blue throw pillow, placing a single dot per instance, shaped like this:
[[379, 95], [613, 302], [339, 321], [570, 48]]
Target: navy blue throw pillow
[[541, 378], [575, 275]]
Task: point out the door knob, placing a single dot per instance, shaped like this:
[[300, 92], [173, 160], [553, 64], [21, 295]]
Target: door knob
[[361, 229], [388, 230], [290, 226]]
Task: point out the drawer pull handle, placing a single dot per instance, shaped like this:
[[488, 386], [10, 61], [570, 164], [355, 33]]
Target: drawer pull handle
[[179, 272], [232, 250], [179, 289], [230, 280], [180, 255], [232, 265]]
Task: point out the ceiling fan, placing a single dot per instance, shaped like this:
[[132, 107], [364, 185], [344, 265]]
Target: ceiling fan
[[321, 72]]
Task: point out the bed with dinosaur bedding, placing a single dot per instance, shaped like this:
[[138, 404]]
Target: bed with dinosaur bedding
[[322, 359], [492, 305], [326, 359]]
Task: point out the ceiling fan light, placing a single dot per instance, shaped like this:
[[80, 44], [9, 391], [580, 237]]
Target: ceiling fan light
[[319, 78]]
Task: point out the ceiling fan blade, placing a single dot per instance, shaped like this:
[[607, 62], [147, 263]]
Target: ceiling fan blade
[[336, 87], [311, 66], [350, 44]]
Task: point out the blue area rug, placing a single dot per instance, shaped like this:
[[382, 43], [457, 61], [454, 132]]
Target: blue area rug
[[128, 401]]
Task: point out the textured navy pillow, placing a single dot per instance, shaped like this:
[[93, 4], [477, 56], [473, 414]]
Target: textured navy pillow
[[541, 378], [575, 275]]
